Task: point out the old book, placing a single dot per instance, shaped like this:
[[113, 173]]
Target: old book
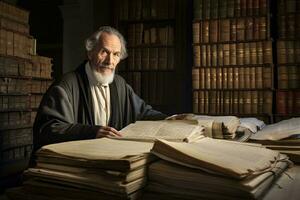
[[131, 59], [220, 55], [293, 77], [214, 58], [247, 77], [236, 78], [210, 155], [283, 81], [267, 52], [145, 59], [207, 9], [246, 53], [233, 54], [230, 77], [197, 6], [259, 77], [213, 30], [247, 102], [253, 78], [197, 56], [153, 58], [214, 9], [205, 31], [196, 32], [195, 102], [202, 79], [175, 130], [163, 58], [226, 54], [137, 58], [230, 8], [249, 28], [223, 9], [240, 29], [208, 78], [195, 78], [208, 55], [98, 153], [171, 58], [138, 33], [281, 52], [201, 102], [224, 30], [225, 78], [268, 101], [213, 78], [219, 78], [281, 130], [253, 53], [240, 54], [281, 101], [233, 31]]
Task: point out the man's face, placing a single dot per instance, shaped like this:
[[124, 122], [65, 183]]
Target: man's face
[[106, 55]]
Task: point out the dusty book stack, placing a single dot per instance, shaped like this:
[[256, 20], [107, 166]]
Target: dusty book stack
[[288, 60], [233, 60], [17, 67]]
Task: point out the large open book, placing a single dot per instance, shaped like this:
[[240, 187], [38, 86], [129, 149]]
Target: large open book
[[233, 159], [172, 130]]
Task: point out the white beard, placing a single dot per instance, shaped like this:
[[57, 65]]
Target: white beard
[[104, 79]]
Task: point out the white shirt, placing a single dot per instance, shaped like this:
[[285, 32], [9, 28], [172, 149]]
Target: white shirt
[[100, 98]]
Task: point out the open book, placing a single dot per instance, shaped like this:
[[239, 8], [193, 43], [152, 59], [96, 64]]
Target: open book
[[172, 130], [233, 159]]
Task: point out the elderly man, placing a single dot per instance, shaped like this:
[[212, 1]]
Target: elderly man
[[92, 101]]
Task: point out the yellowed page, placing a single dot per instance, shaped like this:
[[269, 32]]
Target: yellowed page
[[179, 130]]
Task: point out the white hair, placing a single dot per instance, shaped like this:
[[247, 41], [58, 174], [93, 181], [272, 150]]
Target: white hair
[[92, 41]]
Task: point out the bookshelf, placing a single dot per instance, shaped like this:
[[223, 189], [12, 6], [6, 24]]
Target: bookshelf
[[20, 66], [153, 67], [233, 58], [288, 60]]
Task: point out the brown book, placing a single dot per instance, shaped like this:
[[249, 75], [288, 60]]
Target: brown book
[[247, 102], [240, 54], [196, 32], [203, 55], [224, 30], [206, 102], [290, 52], [163, 58], [253, 53], [236, 78], [145, 59], [225, 78], [252, 78], [146, 36], [197, 7], [255, 7], [254, 102], [294, 77], [268, 97], [235, 107], [171, 9], [283, 81], [259, 52], [208, 78], [212, 102], [213, 31], [241, 102], [247, 77], [233, 56], [153, 35], [219, 78], [240, 29], [263, 7], [263, 28], [290, 102], [138, 9], [137, 58], [230, 8], [249, 28], [260, 102], [205, 31], [233, 30], [290, 26], [237, 8], [197, 56], [170, 35], [246, 53], [222, 9], [213, 78], [220, 55], [230, 77], [9, 43], [3, 42], [227, 101], [281, 101], [208, 56], [241, 77], [297, 49], [226, 54], [201, 102], [267, 52], [243, 8], [259, 77], [202, 78], [195, 102], [214, 52], [195, 78], [256, 28], [218, 98], [163, 35], [267, 77]]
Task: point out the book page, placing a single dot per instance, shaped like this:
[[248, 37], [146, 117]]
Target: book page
[[97, 149], [278, 131], [178, 130], [231, 159]]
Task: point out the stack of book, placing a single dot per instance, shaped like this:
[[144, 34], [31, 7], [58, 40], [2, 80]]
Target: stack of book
[[89, 169], [283, 136], [212, 169]]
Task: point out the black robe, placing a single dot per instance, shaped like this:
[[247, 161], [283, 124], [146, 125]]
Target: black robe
[[66, 110]]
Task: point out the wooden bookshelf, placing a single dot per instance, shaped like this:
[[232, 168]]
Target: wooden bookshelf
[[154, 67]]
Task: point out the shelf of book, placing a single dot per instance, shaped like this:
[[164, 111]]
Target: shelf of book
[[233, 67]]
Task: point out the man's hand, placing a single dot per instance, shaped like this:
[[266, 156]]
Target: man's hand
[[106, 131]]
